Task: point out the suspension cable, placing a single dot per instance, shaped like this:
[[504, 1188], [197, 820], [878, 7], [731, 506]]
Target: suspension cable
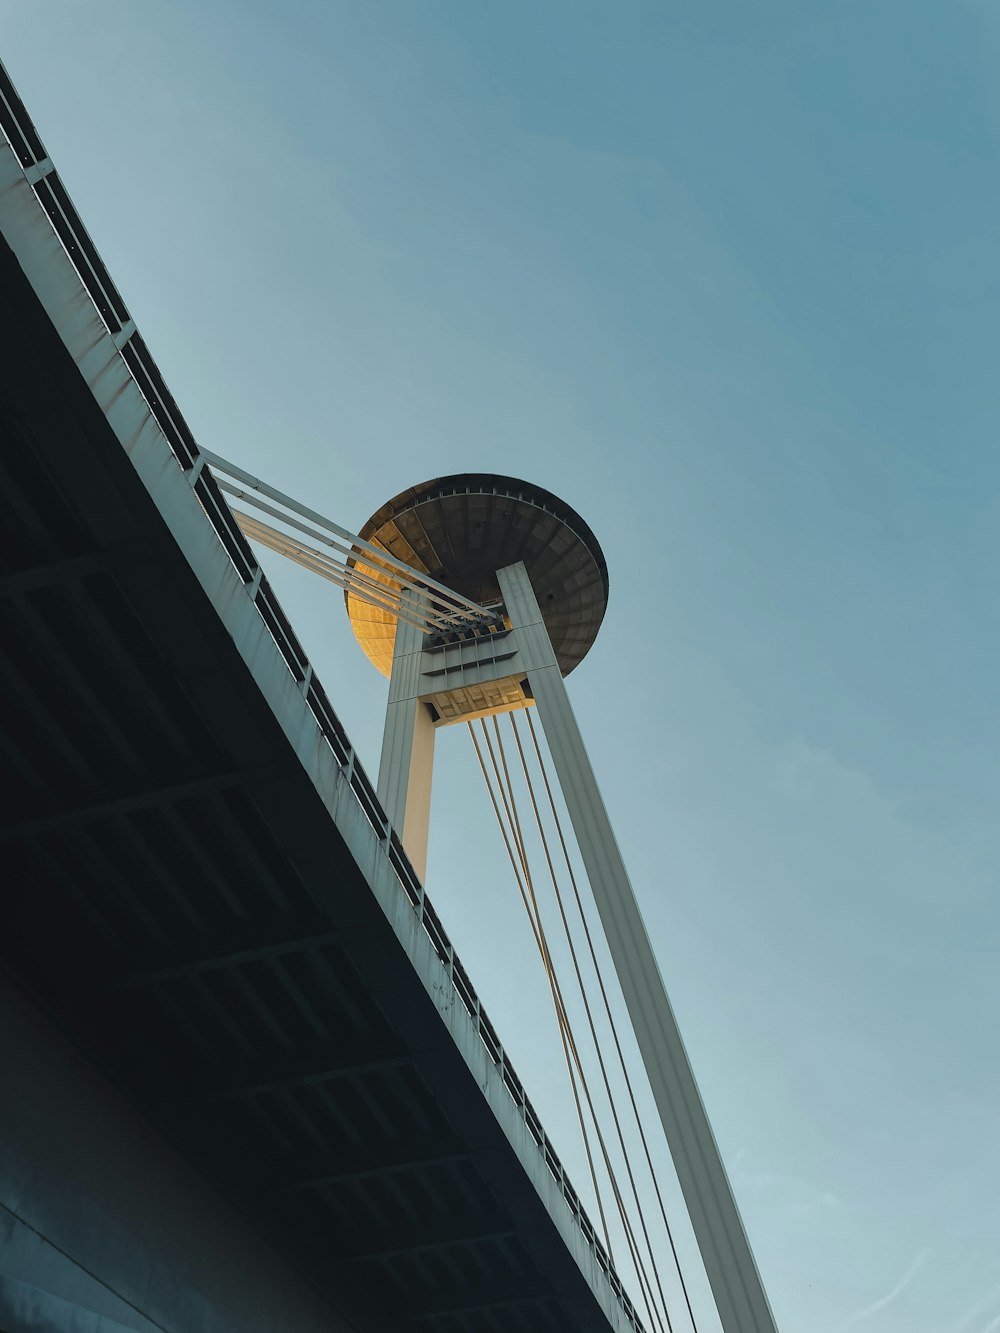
[[590, 1021], [570, 1048], [506, 788], [546, 963], [562, 1015], [611, 1020]]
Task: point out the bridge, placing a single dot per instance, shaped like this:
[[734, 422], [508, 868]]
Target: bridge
[[248, 1085]]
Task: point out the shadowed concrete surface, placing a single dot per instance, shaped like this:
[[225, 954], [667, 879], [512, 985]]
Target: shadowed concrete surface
[[246, 1083]]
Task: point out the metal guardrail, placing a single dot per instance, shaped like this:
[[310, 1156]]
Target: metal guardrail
[[52, 195]]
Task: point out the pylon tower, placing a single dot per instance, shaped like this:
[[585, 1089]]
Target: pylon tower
[[537, 572]]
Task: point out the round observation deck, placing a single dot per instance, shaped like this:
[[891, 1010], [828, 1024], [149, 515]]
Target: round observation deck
[[460, 530]]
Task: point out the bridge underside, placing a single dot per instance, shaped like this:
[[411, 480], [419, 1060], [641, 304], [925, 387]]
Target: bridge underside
[[178, 901]]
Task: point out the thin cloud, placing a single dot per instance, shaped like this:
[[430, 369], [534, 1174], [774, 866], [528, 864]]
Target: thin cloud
[[890, 1295], [964, 1325]]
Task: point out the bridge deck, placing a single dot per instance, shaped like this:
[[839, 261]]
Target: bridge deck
[[200, 888]]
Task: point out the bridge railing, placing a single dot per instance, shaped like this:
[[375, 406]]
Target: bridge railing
[[51, 194]]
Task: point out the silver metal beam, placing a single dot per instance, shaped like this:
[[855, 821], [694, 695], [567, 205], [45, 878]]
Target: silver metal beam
[[446, 611], [86, 812], [379, 556], [729, 1262], [461, 1230], [351, 1060], [490, 1296], [416, 1154], [382, 595], [71, 568], [236, 957]]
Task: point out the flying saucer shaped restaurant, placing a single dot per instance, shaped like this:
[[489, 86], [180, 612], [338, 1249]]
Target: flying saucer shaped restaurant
[[460, 530]]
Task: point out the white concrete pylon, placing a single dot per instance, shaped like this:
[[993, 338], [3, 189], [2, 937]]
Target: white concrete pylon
[[474, 678], [436, 683], [407, 763], [729, 1263]]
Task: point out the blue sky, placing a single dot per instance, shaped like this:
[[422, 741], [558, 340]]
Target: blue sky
[[724, 276]]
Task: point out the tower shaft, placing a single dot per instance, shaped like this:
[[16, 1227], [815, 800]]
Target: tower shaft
[[725, 1250], [474, 677]]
